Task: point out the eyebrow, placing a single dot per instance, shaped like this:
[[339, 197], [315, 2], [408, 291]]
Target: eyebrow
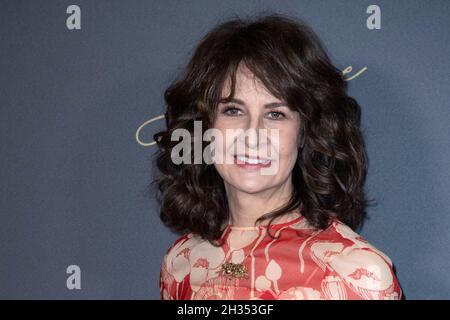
[[238, 101]]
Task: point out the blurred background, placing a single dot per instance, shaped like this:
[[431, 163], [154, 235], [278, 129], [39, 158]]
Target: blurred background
[[73, 175]]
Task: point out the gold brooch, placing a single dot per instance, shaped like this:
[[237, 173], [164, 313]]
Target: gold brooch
[[234, 270]]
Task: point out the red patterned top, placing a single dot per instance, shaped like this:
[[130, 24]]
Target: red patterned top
[[304, 263]]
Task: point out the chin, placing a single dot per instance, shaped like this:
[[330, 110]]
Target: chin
[[252, 185]]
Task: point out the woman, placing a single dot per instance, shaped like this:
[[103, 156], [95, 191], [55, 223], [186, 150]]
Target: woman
[[285, 234]]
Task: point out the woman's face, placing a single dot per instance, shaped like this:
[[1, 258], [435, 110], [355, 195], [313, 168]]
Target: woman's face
[[276, 147]]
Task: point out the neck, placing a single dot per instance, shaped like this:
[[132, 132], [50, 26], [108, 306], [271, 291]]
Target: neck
[[246, 208]]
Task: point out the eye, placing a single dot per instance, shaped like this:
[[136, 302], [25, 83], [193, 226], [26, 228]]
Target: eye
[[231, 111], [276, 115]]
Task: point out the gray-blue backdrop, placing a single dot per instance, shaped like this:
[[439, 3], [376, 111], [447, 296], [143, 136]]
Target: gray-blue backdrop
[[73, 176]]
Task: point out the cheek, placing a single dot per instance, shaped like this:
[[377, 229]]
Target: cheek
[[222, 126], [288, 147], [221, 143], [288, 154]]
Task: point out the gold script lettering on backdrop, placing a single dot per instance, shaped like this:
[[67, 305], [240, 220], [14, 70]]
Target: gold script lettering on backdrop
[[148, 144]]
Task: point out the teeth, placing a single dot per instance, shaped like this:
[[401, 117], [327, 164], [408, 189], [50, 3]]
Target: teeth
[[252, 160]]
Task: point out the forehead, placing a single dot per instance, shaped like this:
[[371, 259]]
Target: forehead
[[248, 86]]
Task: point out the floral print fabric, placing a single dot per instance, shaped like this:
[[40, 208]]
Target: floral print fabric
[[303, 263]]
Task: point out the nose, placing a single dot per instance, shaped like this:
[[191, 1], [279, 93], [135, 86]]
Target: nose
[[253, 137]]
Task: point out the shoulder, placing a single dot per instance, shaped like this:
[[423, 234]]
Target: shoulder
[[175, 266], [191, 248], [182, 253], [179, 250], [189, 253], [363, 267]]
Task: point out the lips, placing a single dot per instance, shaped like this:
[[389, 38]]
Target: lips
[[252, 162]]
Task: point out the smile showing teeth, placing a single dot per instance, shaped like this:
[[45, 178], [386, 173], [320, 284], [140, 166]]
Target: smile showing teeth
[[252, 160]]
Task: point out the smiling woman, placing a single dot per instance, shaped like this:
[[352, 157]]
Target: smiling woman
[[273, 74]]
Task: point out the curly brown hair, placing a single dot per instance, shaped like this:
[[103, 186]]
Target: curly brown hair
[[290, 60]]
